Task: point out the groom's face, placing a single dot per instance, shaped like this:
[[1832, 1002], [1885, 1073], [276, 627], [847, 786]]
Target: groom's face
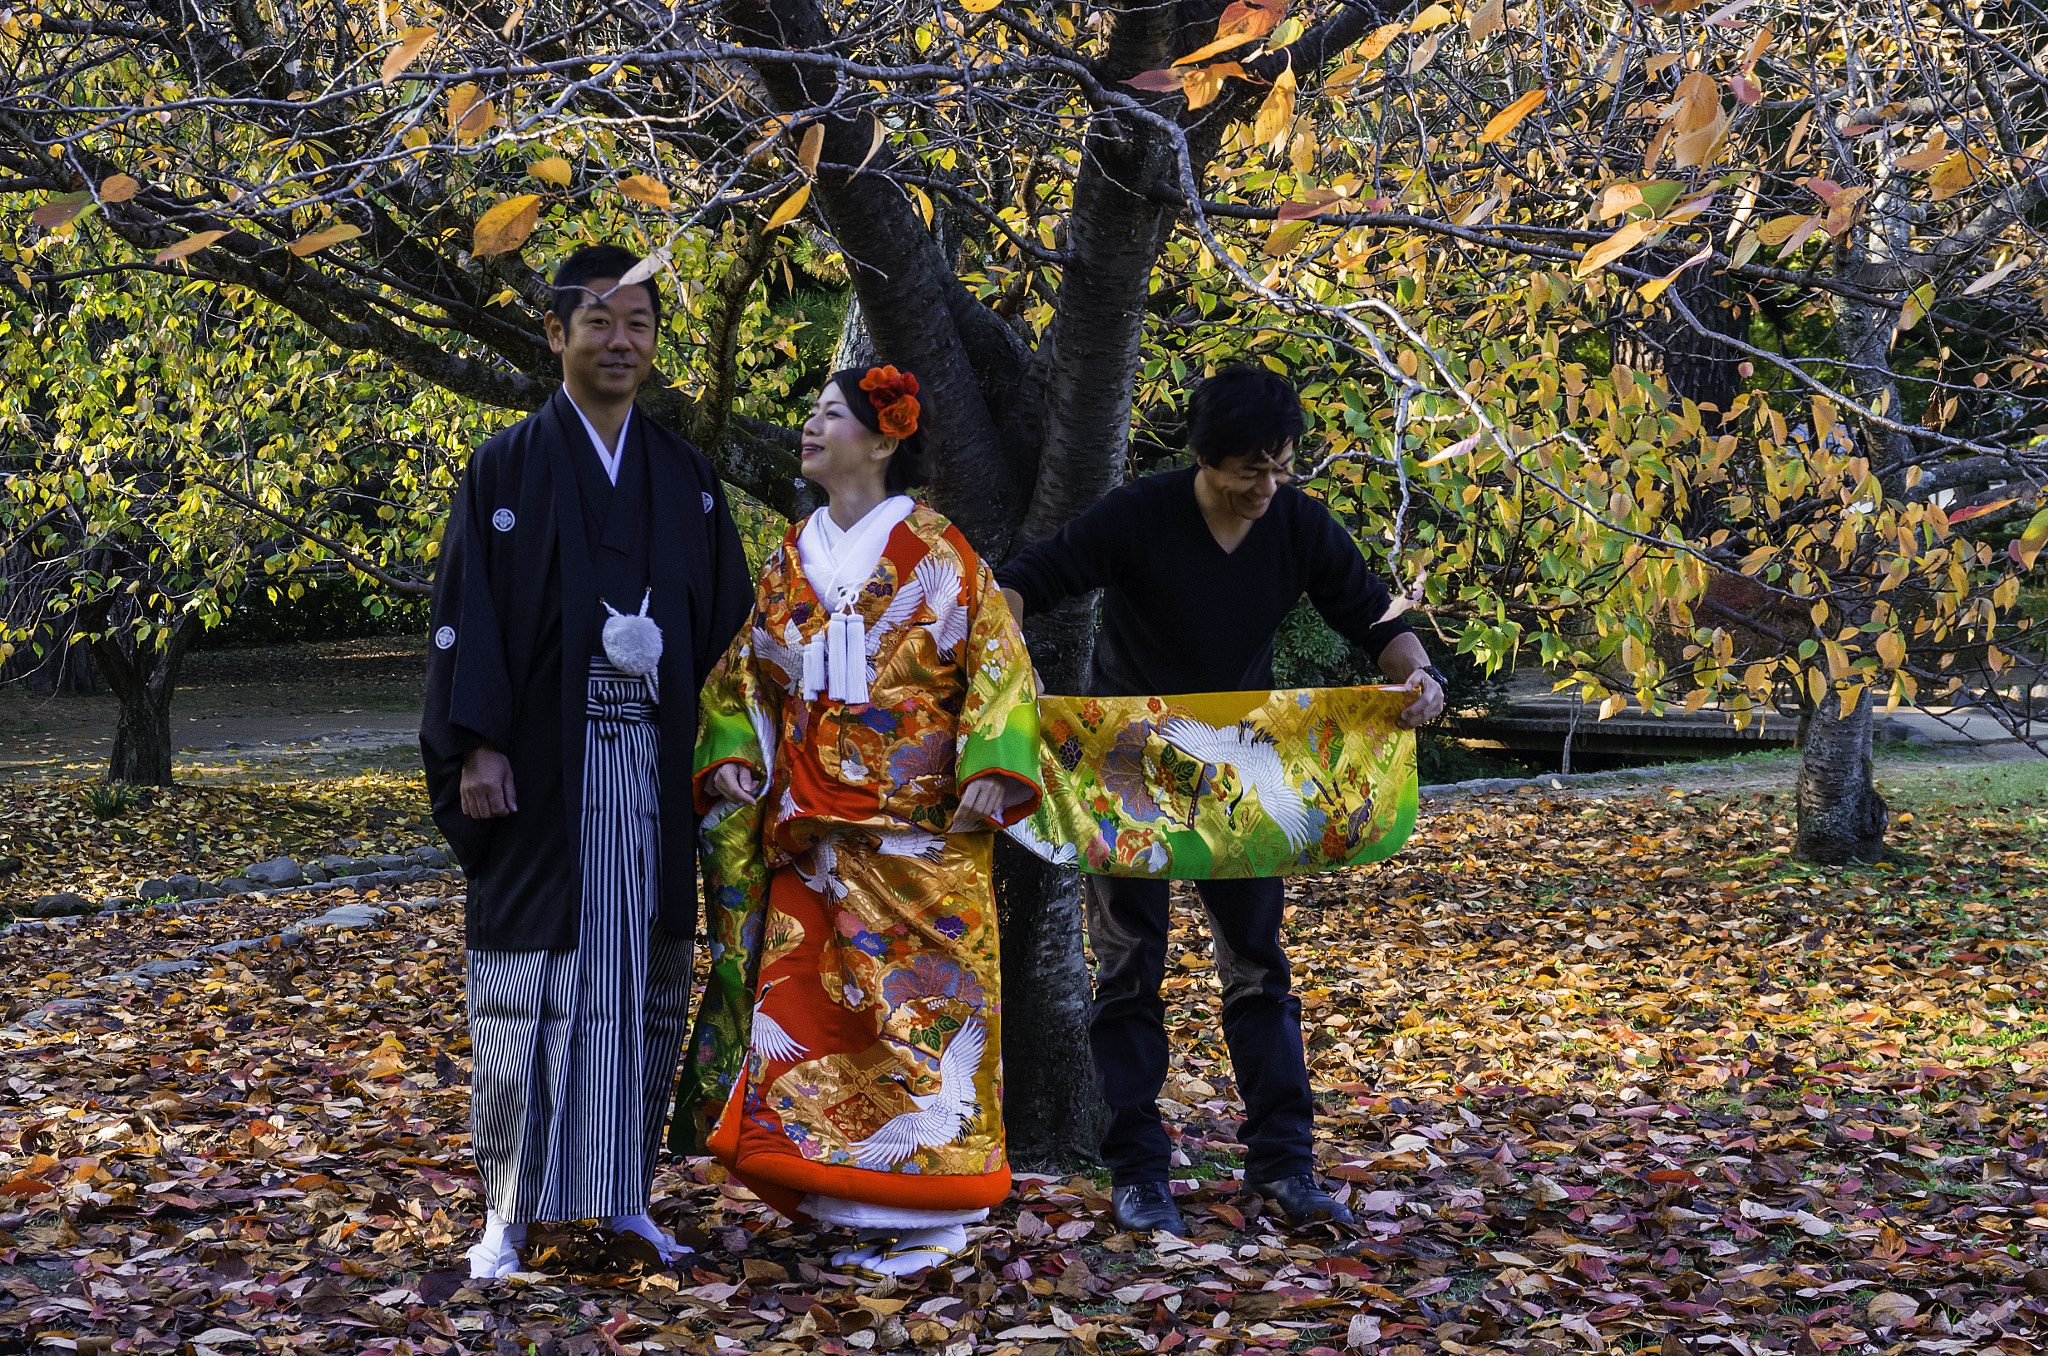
[[1247, 484]]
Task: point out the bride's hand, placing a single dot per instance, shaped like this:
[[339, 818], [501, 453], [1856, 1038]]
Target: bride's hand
[[982, 802], [734, 782]]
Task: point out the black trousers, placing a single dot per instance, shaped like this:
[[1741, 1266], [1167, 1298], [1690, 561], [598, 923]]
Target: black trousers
[[1128, 924]]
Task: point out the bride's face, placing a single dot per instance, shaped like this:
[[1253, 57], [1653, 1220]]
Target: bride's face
[[837, 448]]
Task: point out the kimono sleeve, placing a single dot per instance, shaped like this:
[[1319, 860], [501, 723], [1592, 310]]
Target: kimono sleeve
[[999, 722], [469, 690], [738, 715]]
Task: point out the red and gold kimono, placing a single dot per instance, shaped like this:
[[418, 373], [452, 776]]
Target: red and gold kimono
[[850, 1042]]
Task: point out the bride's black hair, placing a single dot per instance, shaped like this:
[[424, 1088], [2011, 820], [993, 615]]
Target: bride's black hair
[[911, 465]]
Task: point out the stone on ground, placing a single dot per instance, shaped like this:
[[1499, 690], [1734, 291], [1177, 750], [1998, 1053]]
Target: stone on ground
[[279, 871]]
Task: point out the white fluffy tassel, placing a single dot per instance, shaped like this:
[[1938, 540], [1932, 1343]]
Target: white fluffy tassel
[[633, 643]]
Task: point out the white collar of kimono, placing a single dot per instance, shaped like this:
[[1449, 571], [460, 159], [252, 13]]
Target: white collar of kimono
[[838, 560], [610, 458]]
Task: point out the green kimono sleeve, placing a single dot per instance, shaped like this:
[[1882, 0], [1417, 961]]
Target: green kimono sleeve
[[739, 709], [999, 723]]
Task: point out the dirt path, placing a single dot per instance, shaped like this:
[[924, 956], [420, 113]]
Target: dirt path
[[264, 712]]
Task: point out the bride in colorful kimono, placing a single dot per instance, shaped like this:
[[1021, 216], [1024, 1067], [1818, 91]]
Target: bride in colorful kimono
[[876, 719]]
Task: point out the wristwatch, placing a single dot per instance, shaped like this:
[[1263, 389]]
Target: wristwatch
[[1438, 674]]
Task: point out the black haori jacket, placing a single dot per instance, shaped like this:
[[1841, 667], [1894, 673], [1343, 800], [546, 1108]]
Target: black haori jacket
[[516, 619]]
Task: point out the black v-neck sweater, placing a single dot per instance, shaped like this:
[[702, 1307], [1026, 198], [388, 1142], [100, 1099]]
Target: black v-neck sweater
[[1179, 613]]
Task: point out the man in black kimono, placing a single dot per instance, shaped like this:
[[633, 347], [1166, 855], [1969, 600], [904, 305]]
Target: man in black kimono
[[558, 755]]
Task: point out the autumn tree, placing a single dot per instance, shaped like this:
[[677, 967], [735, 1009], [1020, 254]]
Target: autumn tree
[[1519, 258], [164, 459]]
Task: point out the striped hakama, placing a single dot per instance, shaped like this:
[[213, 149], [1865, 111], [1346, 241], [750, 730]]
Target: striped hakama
[[575, 1051]]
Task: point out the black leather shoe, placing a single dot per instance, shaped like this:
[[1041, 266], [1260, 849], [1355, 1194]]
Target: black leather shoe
[[1302, 1200], [1146, 1207]]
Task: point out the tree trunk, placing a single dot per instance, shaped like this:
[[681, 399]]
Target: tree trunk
[[144, 677], [856, 348], [1694, 366], [1053, 1113], [1841, 816]]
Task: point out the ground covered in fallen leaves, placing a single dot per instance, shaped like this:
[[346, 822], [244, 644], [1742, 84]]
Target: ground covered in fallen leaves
[[1595, 1073], [66, 835]]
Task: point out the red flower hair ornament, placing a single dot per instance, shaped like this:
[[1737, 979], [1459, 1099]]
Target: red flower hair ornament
[[894, 396]]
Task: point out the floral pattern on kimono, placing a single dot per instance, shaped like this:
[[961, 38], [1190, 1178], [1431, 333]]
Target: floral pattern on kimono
[[849, 1042], [1221, 785]]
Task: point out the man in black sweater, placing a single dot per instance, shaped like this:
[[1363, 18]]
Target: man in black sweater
[[1197, 568]]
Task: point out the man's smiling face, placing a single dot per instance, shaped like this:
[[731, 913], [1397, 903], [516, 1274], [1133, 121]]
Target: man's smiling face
[[607, 348], [1246, 485]]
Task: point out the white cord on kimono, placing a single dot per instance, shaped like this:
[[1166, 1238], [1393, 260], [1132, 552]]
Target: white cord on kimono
[[846, 646], [836, 658]]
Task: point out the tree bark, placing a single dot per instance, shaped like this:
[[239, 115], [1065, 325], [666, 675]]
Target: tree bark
[[1841, 817], [143, 677], [1694, 367], [1053, 1112]]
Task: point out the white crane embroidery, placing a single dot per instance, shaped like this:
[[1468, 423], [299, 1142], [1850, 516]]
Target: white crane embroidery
[[786, 656], [823, 878], [911, 843], [934, 583], [939, 1116], [768, 1039], [1255, 758], [941, 585], [1060, 854]]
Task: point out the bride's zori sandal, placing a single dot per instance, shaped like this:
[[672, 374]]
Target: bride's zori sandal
[[915, 1250]]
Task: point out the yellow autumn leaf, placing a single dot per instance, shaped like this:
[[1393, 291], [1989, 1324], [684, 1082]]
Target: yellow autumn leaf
[[1654, 288], [1699, 100], [410, 44], [470, 114], [1506, 120], [1953, 175], [1436, 16], [1276, 114], [315, 241], [1202, 86], [505, 227], [1378, 40], [1928, 156], [979, 6], [791, 205], [1614, 246], [119, 188], [1425, 52], [645, 188], [812, 146], [1779, 231], [1697, 147], [191, 244], [553, 170], [874, 144]]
